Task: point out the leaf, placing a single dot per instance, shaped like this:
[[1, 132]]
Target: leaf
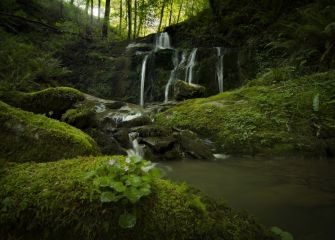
[[127, 220], [107, 197], [316, 102], [282, 234], [103, 181], [155, 173], [133, 194], [118, 186], [134, 180]]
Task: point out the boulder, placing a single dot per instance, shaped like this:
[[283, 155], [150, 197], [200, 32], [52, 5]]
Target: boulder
[[52, 101], [184, 90], [159, 144], [29, 137], [193, 147]]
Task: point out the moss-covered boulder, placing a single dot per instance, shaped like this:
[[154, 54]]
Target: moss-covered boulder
[[29, 137], [184, 90], [54, 201], [294, 116], [51, 101]]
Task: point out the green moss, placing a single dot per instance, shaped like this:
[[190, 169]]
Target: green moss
[[270, 119], [81, 117], [51, 101], [29, 137], [53, 201]]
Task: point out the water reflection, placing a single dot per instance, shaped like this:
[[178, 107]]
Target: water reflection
[[295, 194]]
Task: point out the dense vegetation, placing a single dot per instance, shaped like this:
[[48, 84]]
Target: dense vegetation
[[53, 53]]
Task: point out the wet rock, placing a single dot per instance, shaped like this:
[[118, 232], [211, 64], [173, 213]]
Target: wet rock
[[134, 121], [184, 90], [115, 104], [107, 143], [163, 59], [193, 147], [152, 131], [159, 144]]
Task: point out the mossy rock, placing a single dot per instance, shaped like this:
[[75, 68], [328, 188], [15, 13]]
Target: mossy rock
[[29, 137], [292, 117], [54, 201], [51, 101]]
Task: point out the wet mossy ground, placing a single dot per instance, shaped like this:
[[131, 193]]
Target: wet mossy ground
[[294, 116], [54, 201], [52, 101], [29, 137]]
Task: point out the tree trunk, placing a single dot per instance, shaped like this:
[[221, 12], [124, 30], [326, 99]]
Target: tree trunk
[[180, 7], [171, 9], [135, 18], [72, 2], [121, 12], [129, 18], [91, 11], [61, 7], [106, 19], [86, 6], [99, 9], [162, 15]]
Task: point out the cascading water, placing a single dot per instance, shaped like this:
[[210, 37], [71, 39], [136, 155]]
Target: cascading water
[[144, 67], [172, 75], [219, 68], [162, 41], [190, 66], [137, 149]]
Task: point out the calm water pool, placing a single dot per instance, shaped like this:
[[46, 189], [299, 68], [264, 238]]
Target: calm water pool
[[294, 194]]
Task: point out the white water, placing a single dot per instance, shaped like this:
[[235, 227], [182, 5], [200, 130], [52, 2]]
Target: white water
[[137, 149], [219, 68], [172, 75], [144, 67], [162, 41], [190, 66]]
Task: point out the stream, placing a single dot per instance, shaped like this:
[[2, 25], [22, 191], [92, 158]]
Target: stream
[[296, 195]]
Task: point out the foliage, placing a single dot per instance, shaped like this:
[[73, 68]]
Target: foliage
[[127, 179], [23, 65], [310, 39], [283, 234]]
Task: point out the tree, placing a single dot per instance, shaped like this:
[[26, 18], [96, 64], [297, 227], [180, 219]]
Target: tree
[[106, 19], [120, 15], [129, 10], [161, 15]]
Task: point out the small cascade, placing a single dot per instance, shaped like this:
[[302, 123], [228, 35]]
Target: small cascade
[[144, 68], [162, 41], [172, 75], [219, 67], [190, 66], [137, 149]]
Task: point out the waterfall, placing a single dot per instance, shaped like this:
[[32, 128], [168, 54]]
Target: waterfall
[[190, 66], [162, 41], [172, 75], [137, 149], [144, 67], [219, 68]]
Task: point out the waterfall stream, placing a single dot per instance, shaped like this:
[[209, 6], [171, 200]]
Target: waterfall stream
[[162, 41], [219, 68], [190, 66], [172, 75], [144, 66]]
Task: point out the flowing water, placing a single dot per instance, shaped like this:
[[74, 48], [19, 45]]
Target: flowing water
[[144, 66], [190, 66], [162, 41], [172, 75], [294, 194], [219, 68]]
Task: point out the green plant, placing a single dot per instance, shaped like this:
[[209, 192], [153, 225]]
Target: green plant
[[126, 180]]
